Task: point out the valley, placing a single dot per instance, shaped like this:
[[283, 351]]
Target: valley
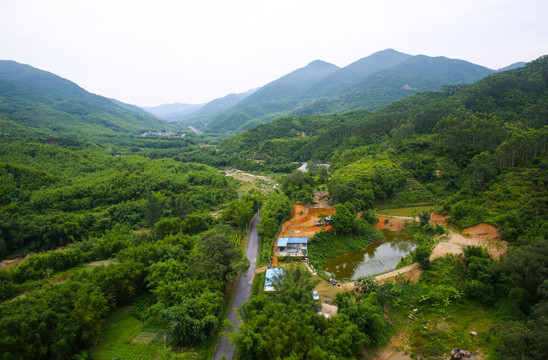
[[117, 245]]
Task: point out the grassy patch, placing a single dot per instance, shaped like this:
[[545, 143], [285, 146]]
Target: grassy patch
[[445, 318], [406, 211], [434, 332], [119, 330], [258, 284]]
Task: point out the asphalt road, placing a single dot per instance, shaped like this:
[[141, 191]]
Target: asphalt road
[[243, 291]]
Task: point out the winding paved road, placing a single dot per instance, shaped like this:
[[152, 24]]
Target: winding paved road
[[243, 291]]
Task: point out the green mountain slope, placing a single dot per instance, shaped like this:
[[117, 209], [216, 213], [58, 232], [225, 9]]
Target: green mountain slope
[[369, 83], [40, 104], [274, 99], [412, 75], [341, 80]]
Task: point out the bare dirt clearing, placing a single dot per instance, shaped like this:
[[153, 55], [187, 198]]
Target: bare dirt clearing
[[394, 223], [484, 235], [246, 177], [329, 309], [412, 272], [305, 221], [249, 181]]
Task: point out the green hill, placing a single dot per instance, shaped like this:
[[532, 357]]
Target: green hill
[[274, 99], [39, 104]]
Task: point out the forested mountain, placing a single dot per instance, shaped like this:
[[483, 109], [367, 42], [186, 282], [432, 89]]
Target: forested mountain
[[40, 104], [368, 83], [276, 97], [340, 81], [412, 75], [514, 95]]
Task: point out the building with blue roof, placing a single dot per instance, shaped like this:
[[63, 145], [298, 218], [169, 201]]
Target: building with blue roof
[[292, 246], [272, 277]]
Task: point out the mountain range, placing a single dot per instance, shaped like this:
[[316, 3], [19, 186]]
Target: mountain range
[[34, 102], [323, 88]]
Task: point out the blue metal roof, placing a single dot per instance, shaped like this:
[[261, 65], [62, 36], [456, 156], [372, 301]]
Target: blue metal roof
[[285, 241], [273, 275]]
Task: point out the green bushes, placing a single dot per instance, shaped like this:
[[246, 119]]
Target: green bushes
[[276, 210], [421, 255]]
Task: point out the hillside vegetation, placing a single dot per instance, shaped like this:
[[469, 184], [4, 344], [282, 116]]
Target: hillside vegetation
[[322, 88], [40, 105], [97, 220]]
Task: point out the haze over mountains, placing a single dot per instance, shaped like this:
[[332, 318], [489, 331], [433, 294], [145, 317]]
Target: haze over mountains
[[55, 107], [323, 88]]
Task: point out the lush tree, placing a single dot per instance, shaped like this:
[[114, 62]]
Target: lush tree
[[216, 257], [239, 213], [344, 218]]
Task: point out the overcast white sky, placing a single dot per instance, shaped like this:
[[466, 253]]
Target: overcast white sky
[[192, 51]]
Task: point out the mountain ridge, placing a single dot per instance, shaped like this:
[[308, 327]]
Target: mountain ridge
[[368, 83]]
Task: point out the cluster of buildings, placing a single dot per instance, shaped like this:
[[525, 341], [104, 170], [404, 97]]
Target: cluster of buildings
[[161, 133]]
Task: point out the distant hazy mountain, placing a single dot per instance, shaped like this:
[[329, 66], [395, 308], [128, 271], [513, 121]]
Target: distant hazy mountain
[[339, 81], [415, 74], [216, 107], [513, 66], [291, 85], [34, 103], [172, 112], [275, 98], [369, 83]]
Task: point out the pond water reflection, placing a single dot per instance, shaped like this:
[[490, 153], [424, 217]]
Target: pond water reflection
[[377, 258]]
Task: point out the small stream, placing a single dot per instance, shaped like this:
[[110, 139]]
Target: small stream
[[376, 258]]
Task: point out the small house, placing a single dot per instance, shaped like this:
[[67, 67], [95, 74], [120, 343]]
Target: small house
[[292, 246], [272, 277]]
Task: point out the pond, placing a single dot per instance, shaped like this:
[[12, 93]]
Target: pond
[[377, 258]]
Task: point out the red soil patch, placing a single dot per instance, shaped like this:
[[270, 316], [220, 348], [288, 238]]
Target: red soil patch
[[439, 219], [394, 223], [483, 231], [303, 221]]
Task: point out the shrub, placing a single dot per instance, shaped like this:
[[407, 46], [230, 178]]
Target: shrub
[[422, 256]]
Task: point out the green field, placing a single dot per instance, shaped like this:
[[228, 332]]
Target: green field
[[405, 211], [120, 329]]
